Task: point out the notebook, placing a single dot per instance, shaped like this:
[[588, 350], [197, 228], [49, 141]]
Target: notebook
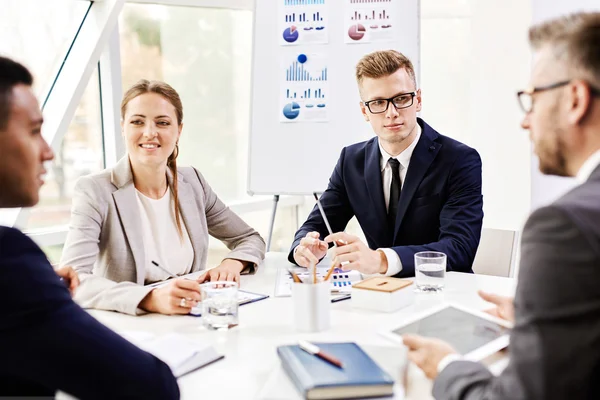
[[316, 379], [180, 353]]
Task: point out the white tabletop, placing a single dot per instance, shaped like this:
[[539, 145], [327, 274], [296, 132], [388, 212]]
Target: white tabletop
[[250, 348]]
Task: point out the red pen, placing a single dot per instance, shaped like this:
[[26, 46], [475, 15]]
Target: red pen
[[316, 351]]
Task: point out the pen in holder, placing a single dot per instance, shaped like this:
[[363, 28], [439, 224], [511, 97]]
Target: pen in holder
[[312, 306]]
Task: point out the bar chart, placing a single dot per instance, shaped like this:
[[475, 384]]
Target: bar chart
[[302, 17], [371, 20], [370, 15], [303, 22], [307, 94], [297, 73], [303, 2]]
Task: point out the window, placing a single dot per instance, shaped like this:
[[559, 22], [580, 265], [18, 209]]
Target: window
[[209, 66], [80, 153], [38, 34]]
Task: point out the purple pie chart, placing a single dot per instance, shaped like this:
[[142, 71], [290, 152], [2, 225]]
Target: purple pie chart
[[290, 35]]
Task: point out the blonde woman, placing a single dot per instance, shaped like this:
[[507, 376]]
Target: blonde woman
[[145, 219]]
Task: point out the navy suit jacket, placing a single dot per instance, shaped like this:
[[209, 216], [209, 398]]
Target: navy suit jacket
[[440, 206], [48, 343]]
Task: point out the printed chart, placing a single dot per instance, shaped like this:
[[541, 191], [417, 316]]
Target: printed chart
[[304, 89], [370, 20], [302, 22]]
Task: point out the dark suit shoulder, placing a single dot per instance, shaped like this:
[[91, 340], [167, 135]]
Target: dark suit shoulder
[[360, 147]]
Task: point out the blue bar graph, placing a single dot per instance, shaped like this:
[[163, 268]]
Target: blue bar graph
[[303, 2], [296, 72], [305, 94]]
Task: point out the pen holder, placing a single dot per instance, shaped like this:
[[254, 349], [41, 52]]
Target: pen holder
[[312, 306]]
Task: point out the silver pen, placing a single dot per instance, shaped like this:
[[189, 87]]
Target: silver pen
[[324, 216], [172, 275]]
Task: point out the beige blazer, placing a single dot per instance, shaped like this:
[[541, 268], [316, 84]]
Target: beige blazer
[[105, 245]]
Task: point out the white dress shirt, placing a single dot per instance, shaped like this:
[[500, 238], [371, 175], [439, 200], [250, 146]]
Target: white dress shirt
[[393, 260], [588, 167], [162, 242]]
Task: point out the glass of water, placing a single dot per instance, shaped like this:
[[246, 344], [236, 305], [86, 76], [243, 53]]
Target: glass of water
[[430, 269], [219, 304]]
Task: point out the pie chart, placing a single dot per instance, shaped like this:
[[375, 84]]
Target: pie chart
[[291, 110], [356, 32], [290, 35]]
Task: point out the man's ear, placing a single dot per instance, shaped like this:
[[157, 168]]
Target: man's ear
[[363, 110], [419, 100], [579, 101]]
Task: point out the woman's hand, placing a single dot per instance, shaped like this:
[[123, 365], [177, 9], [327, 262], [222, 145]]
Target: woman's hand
[[68, 275], [228, 270], [177, 297]]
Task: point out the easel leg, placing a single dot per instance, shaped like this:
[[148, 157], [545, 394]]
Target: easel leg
[[270, 237]]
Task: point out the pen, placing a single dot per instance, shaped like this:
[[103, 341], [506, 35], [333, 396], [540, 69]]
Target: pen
[[172, 275], [328, 275], [341, 298], [315, 351]]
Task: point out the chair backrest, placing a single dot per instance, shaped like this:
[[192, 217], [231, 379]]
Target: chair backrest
[[496, 253]]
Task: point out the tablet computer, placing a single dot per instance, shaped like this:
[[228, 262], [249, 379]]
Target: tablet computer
[[474, 334]]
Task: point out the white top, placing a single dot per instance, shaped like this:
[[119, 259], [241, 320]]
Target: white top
[[394, 263], [588, 167], [250, 348], [161, 238]]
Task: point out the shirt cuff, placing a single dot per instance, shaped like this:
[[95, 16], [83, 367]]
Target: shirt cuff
[[393, 261], [447, 360]]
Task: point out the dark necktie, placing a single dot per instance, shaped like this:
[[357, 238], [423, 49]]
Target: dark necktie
[[394, 193]]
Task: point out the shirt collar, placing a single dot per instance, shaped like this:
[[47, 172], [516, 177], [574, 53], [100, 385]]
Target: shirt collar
[[588, 167], [404, 157]]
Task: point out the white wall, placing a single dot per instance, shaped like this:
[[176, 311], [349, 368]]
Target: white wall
[[474, 57], [545, 189]]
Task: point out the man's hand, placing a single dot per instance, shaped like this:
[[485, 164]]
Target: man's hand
[[504, 309], [310, 250], [70, 278], [358, 255], [427, 353], [228, 270]]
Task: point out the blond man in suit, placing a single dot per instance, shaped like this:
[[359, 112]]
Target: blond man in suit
[[145, 219]]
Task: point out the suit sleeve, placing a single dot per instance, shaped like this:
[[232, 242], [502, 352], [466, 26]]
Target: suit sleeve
[[82, 246], [461, 219], [336, 205], [46, 339], [245, 243], [557, 320]]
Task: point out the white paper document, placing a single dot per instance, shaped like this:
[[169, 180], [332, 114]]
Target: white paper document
[[180, 353]]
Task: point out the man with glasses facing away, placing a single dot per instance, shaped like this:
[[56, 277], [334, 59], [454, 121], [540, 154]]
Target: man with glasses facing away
[[411, 188], [47, 342], [555, 344]]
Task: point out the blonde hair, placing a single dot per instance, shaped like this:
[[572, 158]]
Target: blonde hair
[[165, 90], [383, 63], [575, 39]]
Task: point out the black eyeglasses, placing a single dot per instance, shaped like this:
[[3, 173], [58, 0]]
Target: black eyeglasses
[[526, 96], [403, 100]]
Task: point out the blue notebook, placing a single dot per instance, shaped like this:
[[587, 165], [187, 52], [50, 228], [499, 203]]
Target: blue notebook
[[317, 379]]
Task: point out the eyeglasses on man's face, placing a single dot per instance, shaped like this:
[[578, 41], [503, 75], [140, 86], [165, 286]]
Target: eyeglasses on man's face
[[403, 100], [526, 96]]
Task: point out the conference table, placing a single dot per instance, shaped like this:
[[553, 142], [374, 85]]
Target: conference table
[[251, 360]]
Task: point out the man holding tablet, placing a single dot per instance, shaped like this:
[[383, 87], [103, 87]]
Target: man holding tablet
[[554, 346], [411, 188]]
